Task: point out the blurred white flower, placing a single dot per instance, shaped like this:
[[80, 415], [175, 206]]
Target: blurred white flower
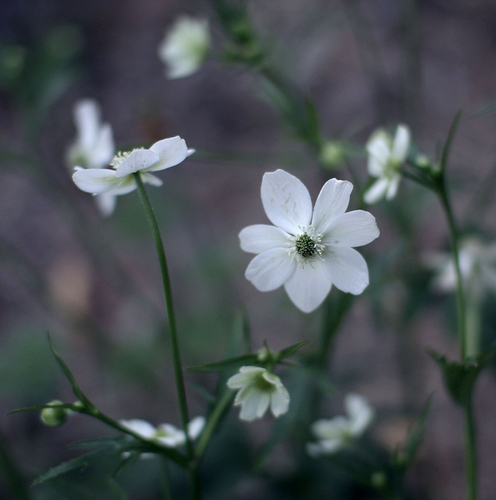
[[93, 147], [119, 180], [308, 251], [477, 265], [258, 389], [338, 432], [165, 434], [385, 157], [185, 47]]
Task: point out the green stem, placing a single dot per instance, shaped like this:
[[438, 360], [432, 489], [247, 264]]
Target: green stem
[[470, 453], [11, 473], [181, 392], [167, 492], [460, 299]]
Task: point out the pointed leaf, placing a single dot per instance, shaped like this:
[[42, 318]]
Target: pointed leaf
[[449, 140], [225, 364], [289, 351]]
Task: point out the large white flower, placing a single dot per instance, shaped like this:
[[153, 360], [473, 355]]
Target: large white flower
[[308, 251], [258, 389], [165, 434], [93, 147], [119, 180], [336, 433], [185, 47], [385, 157]]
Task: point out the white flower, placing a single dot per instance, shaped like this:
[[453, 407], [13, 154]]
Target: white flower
[[308, 251], [165, 434], [185, 47], [336, 433], [386, 155], [258, 388], [477, 266], [119, 180], [93, 147]]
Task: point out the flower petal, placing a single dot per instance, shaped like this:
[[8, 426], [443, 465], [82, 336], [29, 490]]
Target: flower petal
[[141, 427], [139, 159], [332, 201], [170, 151], [401, 144], [393, 187], [351, 229], [100, 180], [105, 203], [262, 237], [195, 427], [270, 269], [151, 179], [255, 405], [377, 191], [360, 413], [87, 118], [379, 146], [286, 201], [279, 401], [347, 269], [308, 286]]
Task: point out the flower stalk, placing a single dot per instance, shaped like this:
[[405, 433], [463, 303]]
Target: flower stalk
[[178, 373]]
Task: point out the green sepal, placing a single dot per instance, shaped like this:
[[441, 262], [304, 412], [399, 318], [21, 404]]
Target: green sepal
[[226, 363], [75, 387], [459, 377], [42, 407]]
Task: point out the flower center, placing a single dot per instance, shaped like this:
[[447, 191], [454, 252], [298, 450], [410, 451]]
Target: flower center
[[121, 156], [264, 385], [306, 247]]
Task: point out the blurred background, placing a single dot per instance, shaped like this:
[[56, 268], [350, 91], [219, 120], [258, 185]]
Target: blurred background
[[94, 282]]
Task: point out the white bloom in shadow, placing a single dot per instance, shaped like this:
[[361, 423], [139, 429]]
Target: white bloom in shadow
[[385, 157], [94, 146], [259, 389], [337, 433], [165, 434], [119, 180], [308, 250], [185, 47]]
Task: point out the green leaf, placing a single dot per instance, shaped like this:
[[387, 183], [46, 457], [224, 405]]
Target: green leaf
[[459, 377], [75, 387], [449, 140], [289, 351], [42, 407], [225, 364]]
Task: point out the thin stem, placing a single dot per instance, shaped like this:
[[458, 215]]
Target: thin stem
[[460, 299], [470, 453], [166, 484], [181, 393], [12, 474]]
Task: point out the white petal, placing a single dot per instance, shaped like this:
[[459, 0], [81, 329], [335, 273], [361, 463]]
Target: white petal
[[360, 413], [195, 427], [377, 191], [141, 427], [105, 203], [139, 159], [279, 401], [401, 144], [255, 405], [351, 229], [104, 148], [347, 269], [87, 118], [261, 237], [170, 151], [378, 146], [393, 187], [246, 375], [333, 428], [286, 201], [332, 201], [270, 269], [100, 180], [151, 179], [375, 167], [308, 287], [329, 446]]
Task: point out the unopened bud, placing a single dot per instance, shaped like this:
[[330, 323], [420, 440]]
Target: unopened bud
[[54, 417]]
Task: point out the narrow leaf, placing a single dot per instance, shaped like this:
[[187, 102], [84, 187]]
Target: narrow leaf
[[289, 351], [449, 140], [225, 364]]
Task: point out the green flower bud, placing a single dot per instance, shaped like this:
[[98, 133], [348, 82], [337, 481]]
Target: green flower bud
[[333, 154], [54, 417], [378, 480]]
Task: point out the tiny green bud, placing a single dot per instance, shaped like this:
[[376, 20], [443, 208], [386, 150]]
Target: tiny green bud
[[266, 355], [54, 417], [333, 154]]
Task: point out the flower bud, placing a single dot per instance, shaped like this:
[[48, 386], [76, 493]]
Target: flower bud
[[53, 417], [333, 154]]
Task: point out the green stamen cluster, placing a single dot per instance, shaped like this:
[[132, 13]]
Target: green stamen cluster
[[305, 246]]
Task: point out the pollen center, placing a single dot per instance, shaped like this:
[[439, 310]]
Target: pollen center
[[120, 157], [305, 246]]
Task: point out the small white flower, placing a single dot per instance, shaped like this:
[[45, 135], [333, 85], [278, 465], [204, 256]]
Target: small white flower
[[386, 155], [258, 389], [185, 47], [119, 180], [165, 434], [335, 434], [308, 251], [477, 265], [93, 147]]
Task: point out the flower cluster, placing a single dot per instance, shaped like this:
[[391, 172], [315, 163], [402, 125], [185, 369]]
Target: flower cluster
[[308, 250], [337, 433]]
